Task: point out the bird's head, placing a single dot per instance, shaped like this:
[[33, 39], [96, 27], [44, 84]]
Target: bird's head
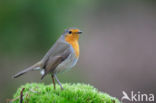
[[72, 34]]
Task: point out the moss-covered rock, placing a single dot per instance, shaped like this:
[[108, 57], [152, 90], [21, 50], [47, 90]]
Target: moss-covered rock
[[72, 93]]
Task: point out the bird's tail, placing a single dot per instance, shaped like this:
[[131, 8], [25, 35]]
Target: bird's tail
[[38, 64]]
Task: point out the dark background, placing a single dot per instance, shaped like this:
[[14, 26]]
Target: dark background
[[118, 46]]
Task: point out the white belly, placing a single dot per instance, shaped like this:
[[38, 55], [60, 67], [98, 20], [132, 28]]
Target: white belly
[[67, 64]]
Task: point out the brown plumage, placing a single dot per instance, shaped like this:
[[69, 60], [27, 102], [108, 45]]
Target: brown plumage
[[63, 54]]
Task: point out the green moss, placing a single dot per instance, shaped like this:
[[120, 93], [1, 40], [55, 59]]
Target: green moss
[[72, 93]]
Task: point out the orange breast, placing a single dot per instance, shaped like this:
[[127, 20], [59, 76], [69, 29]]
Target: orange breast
[[73, 40]]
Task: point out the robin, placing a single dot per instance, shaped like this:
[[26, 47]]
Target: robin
[[63, 55]]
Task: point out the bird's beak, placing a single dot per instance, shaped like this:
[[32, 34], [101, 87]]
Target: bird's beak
[[80, 32]]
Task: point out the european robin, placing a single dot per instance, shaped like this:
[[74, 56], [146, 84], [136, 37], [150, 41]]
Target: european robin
[[63, 55]]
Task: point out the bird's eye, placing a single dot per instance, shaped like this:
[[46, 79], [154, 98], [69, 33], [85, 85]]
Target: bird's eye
[[70, 32]]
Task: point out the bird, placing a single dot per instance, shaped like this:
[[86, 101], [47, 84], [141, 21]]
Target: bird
[[62, 56]]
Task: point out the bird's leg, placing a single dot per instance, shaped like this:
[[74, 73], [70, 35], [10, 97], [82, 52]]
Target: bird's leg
[[58, 81], [52, 76]]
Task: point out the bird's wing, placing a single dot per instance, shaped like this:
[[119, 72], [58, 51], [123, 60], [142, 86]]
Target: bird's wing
[[54, 60], [59, 47]]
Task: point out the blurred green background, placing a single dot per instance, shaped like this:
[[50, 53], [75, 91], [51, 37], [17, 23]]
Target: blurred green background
[[28, 28], [117, 46]]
